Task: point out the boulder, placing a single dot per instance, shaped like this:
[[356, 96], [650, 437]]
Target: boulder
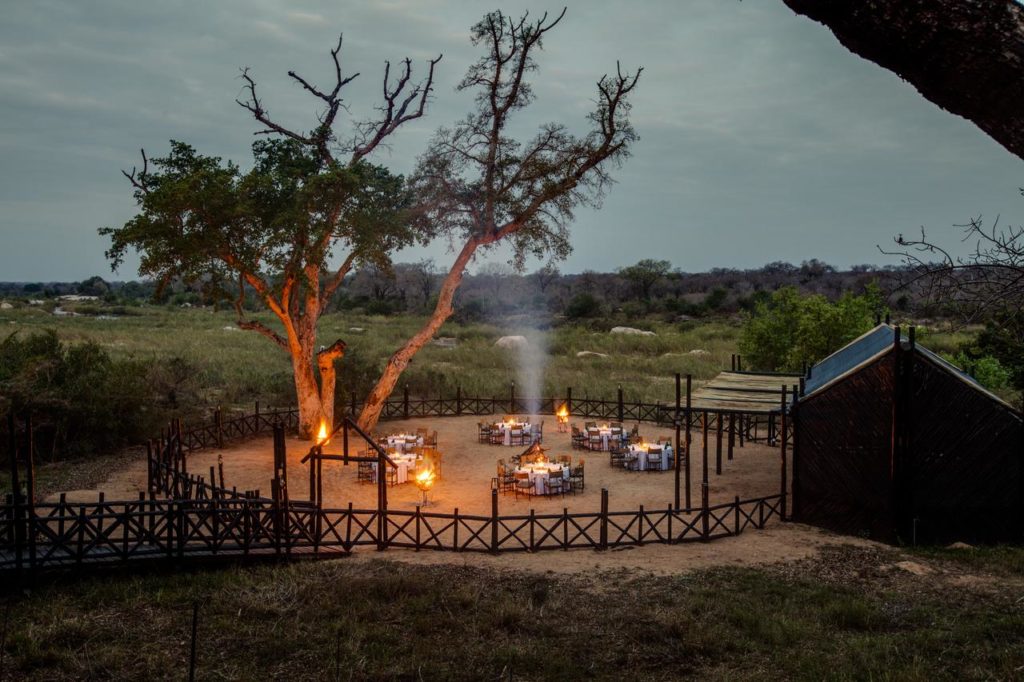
[[445, 342], [590, 354], [631, 330], [699, 351], [512, 342], [959, 545], [229, 328], [356, 330], [5, 306]]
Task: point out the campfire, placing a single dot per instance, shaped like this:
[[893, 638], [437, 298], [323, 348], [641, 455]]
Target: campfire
[[322, 434], [425, 481], [562, 416]]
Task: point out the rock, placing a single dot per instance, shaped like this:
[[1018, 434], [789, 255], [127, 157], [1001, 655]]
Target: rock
[[60, 312], [5, 306], [699, 351], [631, 330], [36, 301], [959, 545], [512, 342], [357, 330], [229, 328], [445, 342], [912, 567], [590, 354]]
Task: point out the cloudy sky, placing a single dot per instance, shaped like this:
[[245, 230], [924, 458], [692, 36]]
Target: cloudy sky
[[761, 137]]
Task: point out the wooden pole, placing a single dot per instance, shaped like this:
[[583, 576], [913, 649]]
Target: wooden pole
[[718, 445], [620, 407], [783, 439], [512, 398], [732, 434], [494, 520], [604, 518], [30, 489], [704, 475], [458, 400], [405, 401], [568, 400], [689, 435], [15, 491], [678, 452]]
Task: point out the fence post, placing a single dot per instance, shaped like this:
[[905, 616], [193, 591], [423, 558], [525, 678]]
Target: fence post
[[405, 401], [704, 531], [678, 451], [784, 442], [533, 521], [458, 400], [620, 403], [718, 444], [512, 398], [494, 520], [352, 404], [568, 400], [689, 436], [417, 528], [455, 530], [736, 518], [604, 518]]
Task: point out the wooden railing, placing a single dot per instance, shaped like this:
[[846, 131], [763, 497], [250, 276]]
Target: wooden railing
[[60, 535]]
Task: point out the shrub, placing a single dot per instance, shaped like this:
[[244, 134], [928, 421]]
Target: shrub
[[583, 305], [791, 328], [81, 400]]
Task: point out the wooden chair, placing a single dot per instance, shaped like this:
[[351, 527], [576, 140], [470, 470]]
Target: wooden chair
[[590, 425], [516, 438], [594, 441], [431, 440], [576, 477], [577, 438], [422, 432], [556, 483], [523, 484], [390, 475], [364, 472], [654, 459], [506, 478], [565, 459], [538, 432], [617, 457], [483, 432], [497, 436]]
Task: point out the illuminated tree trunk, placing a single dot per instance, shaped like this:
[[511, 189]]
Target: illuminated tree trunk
[[308, 395], [400, 359]]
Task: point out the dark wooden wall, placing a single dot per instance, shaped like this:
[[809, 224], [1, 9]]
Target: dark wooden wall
[[964, 460], [842, 469]]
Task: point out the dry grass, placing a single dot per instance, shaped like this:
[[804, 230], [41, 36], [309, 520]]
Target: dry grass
[[843, 615]]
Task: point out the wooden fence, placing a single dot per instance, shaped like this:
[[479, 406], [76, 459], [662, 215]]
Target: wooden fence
[[56, 535]]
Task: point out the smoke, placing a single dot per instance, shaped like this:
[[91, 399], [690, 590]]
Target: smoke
[[531, 361]]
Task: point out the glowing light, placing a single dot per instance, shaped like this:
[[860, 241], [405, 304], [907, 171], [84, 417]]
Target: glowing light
[[321, 436], [425, 479]]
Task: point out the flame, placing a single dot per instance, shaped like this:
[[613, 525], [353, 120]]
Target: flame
[[321, 436], [562, 414], [425, 479]]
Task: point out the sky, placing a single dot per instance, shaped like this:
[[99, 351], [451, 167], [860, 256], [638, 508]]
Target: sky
[[761, 137]]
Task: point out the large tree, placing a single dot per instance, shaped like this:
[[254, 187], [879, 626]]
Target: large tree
[[966, 56], [477, 186], [311, 199]]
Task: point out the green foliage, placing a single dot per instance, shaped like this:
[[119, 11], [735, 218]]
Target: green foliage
[[989, 372], [1003, 340], [644, 275], [583, 305], [205, 221], [81, 399], [791, 328]]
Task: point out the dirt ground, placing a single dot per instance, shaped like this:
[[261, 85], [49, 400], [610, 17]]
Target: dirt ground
[[468, 468]]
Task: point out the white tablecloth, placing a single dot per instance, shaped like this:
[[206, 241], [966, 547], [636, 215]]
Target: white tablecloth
[[398, 443], [640, 453], [540, 474], [605, 433], [406, 464], [506, 430]]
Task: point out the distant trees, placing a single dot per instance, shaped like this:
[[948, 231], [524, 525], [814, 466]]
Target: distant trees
[[791, 329], [644, 275]]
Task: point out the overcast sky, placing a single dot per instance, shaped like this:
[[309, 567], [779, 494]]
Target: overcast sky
[[762, 138]]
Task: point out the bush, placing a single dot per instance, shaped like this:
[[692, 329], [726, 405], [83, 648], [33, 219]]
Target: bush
[[582, 306], [989, 372], [792, 329], [80, 399]]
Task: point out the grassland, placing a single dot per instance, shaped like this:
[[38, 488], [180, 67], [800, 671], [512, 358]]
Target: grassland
[[235, 367], [848, 614]]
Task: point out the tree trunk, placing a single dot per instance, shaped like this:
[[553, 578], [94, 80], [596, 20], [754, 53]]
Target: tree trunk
[[400, 359], [967, 56], [307, 392]]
